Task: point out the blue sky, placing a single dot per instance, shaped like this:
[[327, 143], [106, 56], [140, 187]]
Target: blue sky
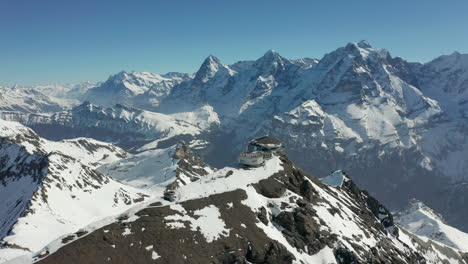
[[44, 41]]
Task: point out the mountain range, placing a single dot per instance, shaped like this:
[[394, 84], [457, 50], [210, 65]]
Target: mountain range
[[398, 127]]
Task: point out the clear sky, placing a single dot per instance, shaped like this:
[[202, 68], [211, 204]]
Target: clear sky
[[44, 41]]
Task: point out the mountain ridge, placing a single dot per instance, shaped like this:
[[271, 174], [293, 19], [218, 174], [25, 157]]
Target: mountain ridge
[[394, 124]]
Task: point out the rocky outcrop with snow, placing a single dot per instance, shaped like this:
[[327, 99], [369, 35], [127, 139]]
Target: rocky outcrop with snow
[[275, 213], [158, 168], [400, 127], [357, 108], [49, 189]]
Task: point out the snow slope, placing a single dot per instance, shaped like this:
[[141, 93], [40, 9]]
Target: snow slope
[[423, 221], [27, 100], [399, 126], [127, 126], [154, 168], [52, 188], [271, 214]]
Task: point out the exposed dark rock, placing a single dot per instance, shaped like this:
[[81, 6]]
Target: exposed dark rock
[[270, 188], [239, 246], [263, 216], [182, 151], [189, 165], [246, 242], [68, 239], [377, 209], [344, 256], [81, 233]]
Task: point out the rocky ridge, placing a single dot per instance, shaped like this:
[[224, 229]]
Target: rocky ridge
[[272, 214]]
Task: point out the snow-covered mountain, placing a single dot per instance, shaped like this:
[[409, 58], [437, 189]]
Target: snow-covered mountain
[[357, 108], [400, 127], [41, 98], [423, 221], [65, 91], [446, 80], [54, 191], [153, 168], [26, 100], [49, 189], [139, 89], [126, 126], [275, 213]]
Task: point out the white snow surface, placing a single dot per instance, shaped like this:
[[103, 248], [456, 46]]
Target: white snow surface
[[66, 195], [423, 221], [145, 169], [207, 220], [335, 179]]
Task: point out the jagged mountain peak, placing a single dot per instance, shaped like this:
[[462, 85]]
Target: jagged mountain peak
[[208, 69], [271, 61], [269, 57], [362, 49], [271, 53], [120, 75], [364, 44]]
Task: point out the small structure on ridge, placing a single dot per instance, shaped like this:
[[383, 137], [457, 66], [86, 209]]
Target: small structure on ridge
[[259, 150], [265, 143]]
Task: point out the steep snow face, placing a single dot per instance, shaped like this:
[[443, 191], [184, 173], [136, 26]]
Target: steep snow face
[[52, 188], [424, 222], [445, 80], [140, 89]]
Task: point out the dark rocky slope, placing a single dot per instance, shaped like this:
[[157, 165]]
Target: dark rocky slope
[[285, 217]]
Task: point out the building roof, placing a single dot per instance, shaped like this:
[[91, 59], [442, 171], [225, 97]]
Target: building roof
[[267, 140]]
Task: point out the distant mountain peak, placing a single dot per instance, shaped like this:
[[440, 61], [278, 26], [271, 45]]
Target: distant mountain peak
[[270, 62], [271, 52], [270, 55], [456, 60], [208, 69], [121, 75], [416, 205], [210, 61], [363, 44]]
